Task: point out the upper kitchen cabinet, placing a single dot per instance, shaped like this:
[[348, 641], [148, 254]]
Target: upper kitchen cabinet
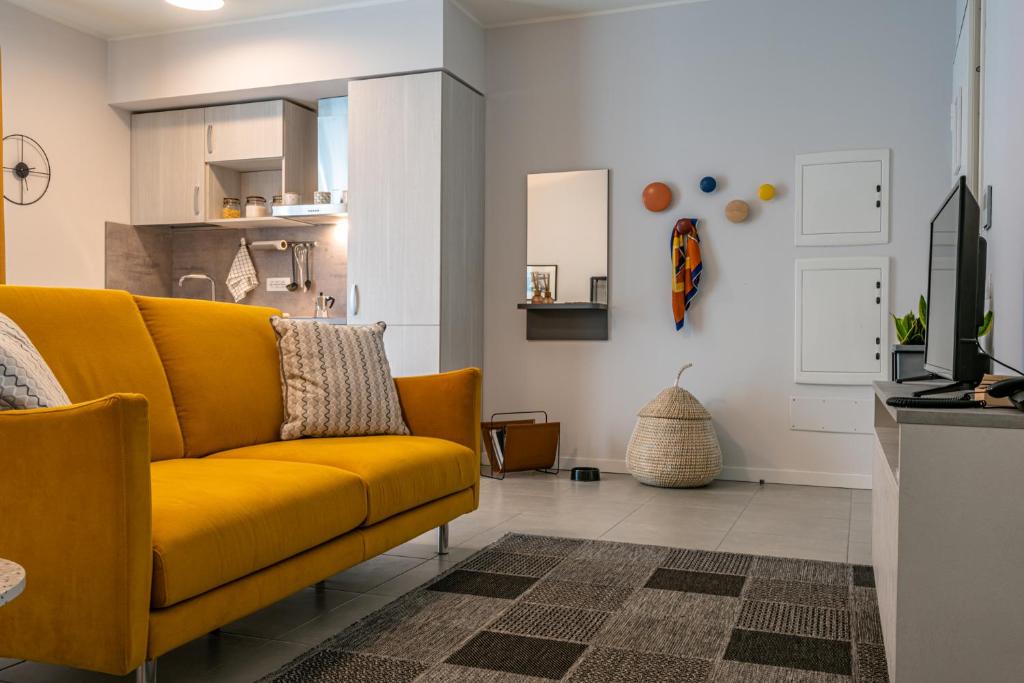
[[239, 132], [258, 148], [185, 162], [167, 168]]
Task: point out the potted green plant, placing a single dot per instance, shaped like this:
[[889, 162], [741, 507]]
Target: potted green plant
[[908, 354]]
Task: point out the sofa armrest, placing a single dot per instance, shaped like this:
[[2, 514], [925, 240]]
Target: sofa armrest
[[75, 511], [445, 406]]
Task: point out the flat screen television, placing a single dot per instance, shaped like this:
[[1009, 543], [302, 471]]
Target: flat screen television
[[956, 293]]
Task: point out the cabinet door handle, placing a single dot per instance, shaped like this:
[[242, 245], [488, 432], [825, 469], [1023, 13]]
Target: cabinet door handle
[[195, 199], [209, 138], [353, 300]]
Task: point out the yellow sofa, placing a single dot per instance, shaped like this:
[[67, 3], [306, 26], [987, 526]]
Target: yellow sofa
[[161, 504]]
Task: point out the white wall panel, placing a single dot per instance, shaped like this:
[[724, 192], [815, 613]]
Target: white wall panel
[[829, 414], [842, 198], [842, 320]]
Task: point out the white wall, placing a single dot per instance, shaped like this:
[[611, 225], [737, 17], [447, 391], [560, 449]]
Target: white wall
[[958, 14], [54, 88], [1003, 162], [732, 88], [257, 58], [464, 46]]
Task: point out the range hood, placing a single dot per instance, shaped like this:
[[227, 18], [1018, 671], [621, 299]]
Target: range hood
[[332, 166]]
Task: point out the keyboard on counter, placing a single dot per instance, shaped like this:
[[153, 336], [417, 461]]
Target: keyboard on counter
[[933, 403]]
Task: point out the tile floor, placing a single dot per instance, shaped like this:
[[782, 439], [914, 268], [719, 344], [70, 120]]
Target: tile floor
[[791, 521]]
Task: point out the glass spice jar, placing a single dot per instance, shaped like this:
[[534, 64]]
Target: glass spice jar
[[256, 207], [231, 208]]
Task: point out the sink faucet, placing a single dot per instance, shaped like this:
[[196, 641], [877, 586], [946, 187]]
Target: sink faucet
[[200, 276]]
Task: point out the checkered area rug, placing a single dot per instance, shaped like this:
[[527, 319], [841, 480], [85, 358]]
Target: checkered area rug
[[531, 609]]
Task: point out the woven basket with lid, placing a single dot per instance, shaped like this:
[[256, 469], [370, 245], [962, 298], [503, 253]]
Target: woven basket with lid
[[674, 443]]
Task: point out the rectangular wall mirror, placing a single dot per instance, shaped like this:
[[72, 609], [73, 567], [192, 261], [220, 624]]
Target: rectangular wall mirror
[[567, 237]]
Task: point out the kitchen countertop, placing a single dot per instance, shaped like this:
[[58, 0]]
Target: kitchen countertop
[[994, 418]]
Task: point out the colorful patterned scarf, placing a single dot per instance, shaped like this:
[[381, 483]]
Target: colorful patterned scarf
[[686, 267]]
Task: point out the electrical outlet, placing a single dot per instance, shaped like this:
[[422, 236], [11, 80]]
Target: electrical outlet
[[278, 284]]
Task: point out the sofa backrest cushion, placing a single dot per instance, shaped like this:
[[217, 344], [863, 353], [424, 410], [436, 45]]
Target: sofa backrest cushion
[[224, 370], [26, 381], [96, 343]]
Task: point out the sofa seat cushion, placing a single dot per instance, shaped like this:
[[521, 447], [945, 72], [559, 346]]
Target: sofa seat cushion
[[218, 520], [400, 472]]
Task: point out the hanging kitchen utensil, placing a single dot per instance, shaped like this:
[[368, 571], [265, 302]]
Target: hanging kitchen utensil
[[308, 283], [294, 284], [301, 252]]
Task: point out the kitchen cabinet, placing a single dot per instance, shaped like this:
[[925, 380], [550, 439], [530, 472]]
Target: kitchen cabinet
[[184, 162], [412, 349], [415, 252], [394, 227], [237, 132], [168, 168]]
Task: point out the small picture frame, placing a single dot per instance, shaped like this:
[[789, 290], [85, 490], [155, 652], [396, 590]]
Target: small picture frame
[[599, 290], [550, 270]]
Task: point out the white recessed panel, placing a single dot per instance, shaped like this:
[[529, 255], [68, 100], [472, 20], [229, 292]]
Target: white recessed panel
[[842, 198], [841, 321], [839, 415], [834, 199]]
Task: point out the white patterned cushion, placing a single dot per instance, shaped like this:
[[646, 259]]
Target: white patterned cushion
[[26, 381], [336, 379]]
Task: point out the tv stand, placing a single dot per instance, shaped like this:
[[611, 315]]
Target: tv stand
[[946, 388], [947, 540]]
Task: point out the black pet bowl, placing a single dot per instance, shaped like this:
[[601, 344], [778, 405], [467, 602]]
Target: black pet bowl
[[586, 474]]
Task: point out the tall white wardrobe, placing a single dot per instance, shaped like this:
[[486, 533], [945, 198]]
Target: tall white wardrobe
[[415, 242]]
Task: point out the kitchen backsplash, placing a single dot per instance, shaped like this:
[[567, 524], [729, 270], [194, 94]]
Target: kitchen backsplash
[[150, 261]]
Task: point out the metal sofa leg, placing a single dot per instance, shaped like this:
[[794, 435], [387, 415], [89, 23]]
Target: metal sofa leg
[[442, 539], [146, 673]]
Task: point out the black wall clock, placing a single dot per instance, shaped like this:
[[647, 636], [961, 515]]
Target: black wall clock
[[26, 170]]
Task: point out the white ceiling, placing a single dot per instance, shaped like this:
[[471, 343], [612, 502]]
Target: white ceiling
[[123, 18], [492, 13]]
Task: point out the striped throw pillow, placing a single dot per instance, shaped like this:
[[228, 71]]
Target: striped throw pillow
[[26, 381], [336, 379]]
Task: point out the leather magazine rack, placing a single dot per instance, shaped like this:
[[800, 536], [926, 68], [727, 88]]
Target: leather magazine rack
[[521, 445]]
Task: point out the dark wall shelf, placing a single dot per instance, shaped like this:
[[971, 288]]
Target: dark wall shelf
[[570, 321], [578, 306]]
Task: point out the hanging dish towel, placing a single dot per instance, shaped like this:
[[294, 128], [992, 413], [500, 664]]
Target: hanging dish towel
[[242, 276], [686, 267]]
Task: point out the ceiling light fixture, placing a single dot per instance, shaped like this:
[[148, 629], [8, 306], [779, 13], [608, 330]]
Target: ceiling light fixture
[[197, 5]]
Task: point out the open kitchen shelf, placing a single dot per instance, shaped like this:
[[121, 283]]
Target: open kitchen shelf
[[267, 222]]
